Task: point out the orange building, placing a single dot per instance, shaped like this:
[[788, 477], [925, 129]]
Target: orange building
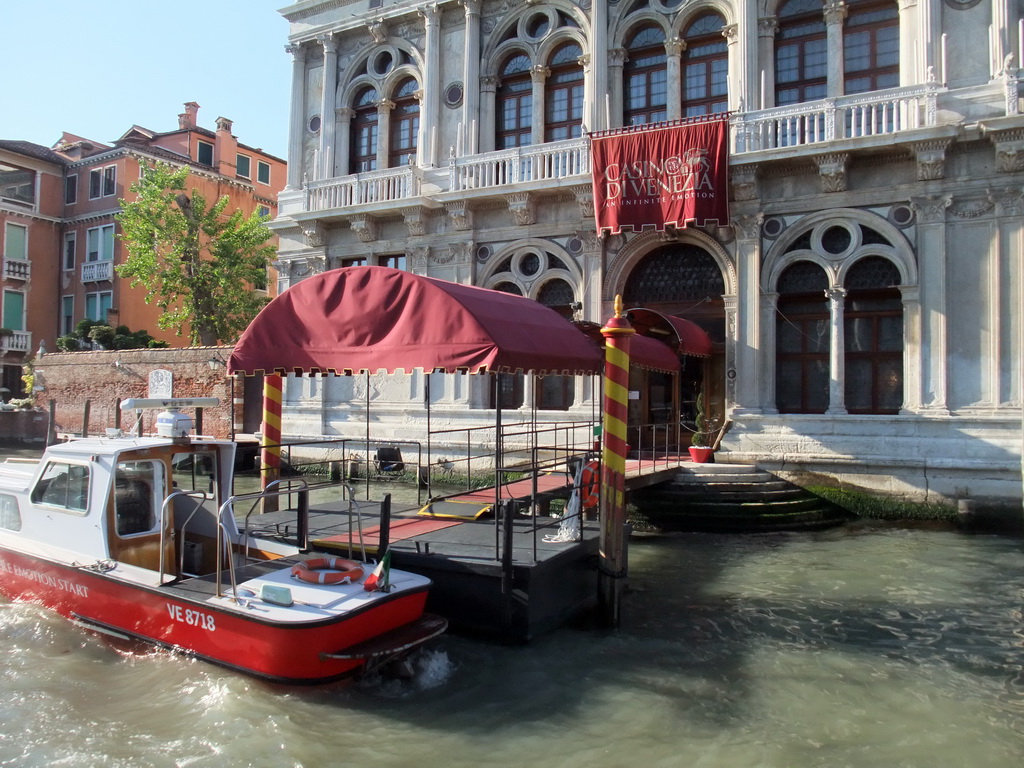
[[58, 210], [31, 226]]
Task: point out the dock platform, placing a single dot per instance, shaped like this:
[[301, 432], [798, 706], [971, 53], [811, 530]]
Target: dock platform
[[508, 579]]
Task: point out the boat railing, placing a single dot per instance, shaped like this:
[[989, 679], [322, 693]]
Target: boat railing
[[355, 511], [227, 512], [347, 459], [166, 510]]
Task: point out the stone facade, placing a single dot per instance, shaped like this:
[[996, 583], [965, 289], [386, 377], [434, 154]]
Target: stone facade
[[866, 300]]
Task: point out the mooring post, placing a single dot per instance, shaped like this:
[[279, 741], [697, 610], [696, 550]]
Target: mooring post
[[612, 561], [270, 454]]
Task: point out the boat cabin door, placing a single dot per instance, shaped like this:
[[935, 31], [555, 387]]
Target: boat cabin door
[[136, 498]]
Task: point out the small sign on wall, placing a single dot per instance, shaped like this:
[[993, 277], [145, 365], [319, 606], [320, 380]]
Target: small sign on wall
[[161, 383], [634, 394]]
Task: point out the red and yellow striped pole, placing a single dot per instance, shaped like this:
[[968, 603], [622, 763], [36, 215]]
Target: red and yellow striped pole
[[612, 564], [270, 455]]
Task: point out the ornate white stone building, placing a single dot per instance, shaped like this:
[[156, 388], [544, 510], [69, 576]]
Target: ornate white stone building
[[866, 300]]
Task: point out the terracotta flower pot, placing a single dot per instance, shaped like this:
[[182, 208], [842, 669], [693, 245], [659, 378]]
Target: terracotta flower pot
[[700, 454]]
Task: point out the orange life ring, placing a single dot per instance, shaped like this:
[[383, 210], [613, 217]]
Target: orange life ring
[[327, 570], [590, 482]]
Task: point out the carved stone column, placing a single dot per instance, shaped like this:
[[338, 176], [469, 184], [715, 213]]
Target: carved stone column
[[769, 319], [539, 75], [931, 252], [837, 352], [835, 15], [767, 27], [489, 106], [599, 74], [384, 107], [735, 76], [431, 96], [673, 74], [343, 117], [744, 370], [296, 116], [327, 105], [471, 77], [616, 59]]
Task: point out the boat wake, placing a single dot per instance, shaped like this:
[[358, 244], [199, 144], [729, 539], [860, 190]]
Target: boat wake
[[424, 670]]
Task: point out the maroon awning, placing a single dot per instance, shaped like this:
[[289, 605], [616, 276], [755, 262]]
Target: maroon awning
[[644, 352], [381, 319], [687, 337]]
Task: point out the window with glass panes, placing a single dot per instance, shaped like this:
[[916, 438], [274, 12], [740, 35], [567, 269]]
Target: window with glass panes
[[873, 318], [363, 147], [646, 78], [515, 103], [871, 45], [97, 304], [100, 243], [802, 339], [801, 53], [705, 67], [555, 392], [243, 166], [395, 262], [70, 245], [67, 315], [405, 125], [563, 95]]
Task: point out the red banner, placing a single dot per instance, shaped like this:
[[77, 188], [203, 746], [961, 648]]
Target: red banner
[[654, 177]]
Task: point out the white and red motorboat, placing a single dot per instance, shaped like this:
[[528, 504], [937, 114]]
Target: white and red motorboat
[[136, 537]]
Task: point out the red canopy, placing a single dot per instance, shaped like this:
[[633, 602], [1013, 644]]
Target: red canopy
[[687, 337], [644, 352], [381, 319]]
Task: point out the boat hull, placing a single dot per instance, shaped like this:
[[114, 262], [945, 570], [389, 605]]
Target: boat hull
[[241, 639]]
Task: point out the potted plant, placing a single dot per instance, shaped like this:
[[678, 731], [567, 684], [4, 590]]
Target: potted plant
[[700, 443]]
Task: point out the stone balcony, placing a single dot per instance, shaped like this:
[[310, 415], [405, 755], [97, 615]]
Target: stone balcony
[[826, 132]]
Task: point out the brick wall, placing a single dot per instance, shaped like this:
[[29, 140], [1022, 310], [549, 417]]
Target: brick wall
[[104, 379]]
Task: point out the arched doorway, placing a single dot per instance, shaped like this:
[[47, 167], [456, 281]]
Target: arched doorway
[[684, 280]]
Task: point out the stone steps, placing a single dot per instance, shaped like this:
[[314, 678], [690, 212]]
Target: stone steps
[[731, 498]]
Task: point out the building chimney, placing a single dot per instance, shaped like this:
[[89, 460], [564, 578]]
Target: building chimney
[[225, 152], [187, 119]]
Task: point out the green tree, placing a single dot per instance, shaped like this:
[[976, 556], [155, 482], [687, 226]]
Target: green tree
[[196, 262]]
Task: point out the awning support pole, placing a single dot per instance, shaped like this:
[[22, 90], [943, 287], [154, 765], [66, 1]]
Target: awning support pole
[[270, 455], [612, 569]]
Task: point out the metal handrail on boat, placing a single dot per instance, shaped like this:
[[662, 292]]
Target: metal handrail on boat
[[227, 508], [164, 510]]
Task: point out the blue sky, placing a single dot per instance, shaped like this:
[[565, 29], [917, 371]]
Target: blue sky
[[97, 68]]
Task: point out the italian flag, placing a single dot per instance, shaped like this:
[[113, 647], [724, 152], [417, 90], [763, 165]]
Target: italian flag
[[379, 578]]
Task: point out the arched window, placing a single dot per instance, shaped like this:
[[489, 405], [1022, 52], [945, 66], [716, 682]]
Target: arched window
[[563, 97], [506, 389], [405, 125], [802, 340], [871, 45], [555, 392], [515, 103], [645, 78], [705, 67], [363, 145], [801, 53], [873, 316], [672, 274]]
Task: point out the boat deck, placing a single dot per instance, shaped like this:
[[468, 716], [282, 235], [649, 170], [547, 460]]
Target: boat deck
[[480, 586]]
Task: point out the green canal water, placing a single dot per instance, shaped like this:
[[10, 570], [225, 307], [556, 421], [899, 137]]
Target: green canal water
[[859, 647], [865, 646]]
